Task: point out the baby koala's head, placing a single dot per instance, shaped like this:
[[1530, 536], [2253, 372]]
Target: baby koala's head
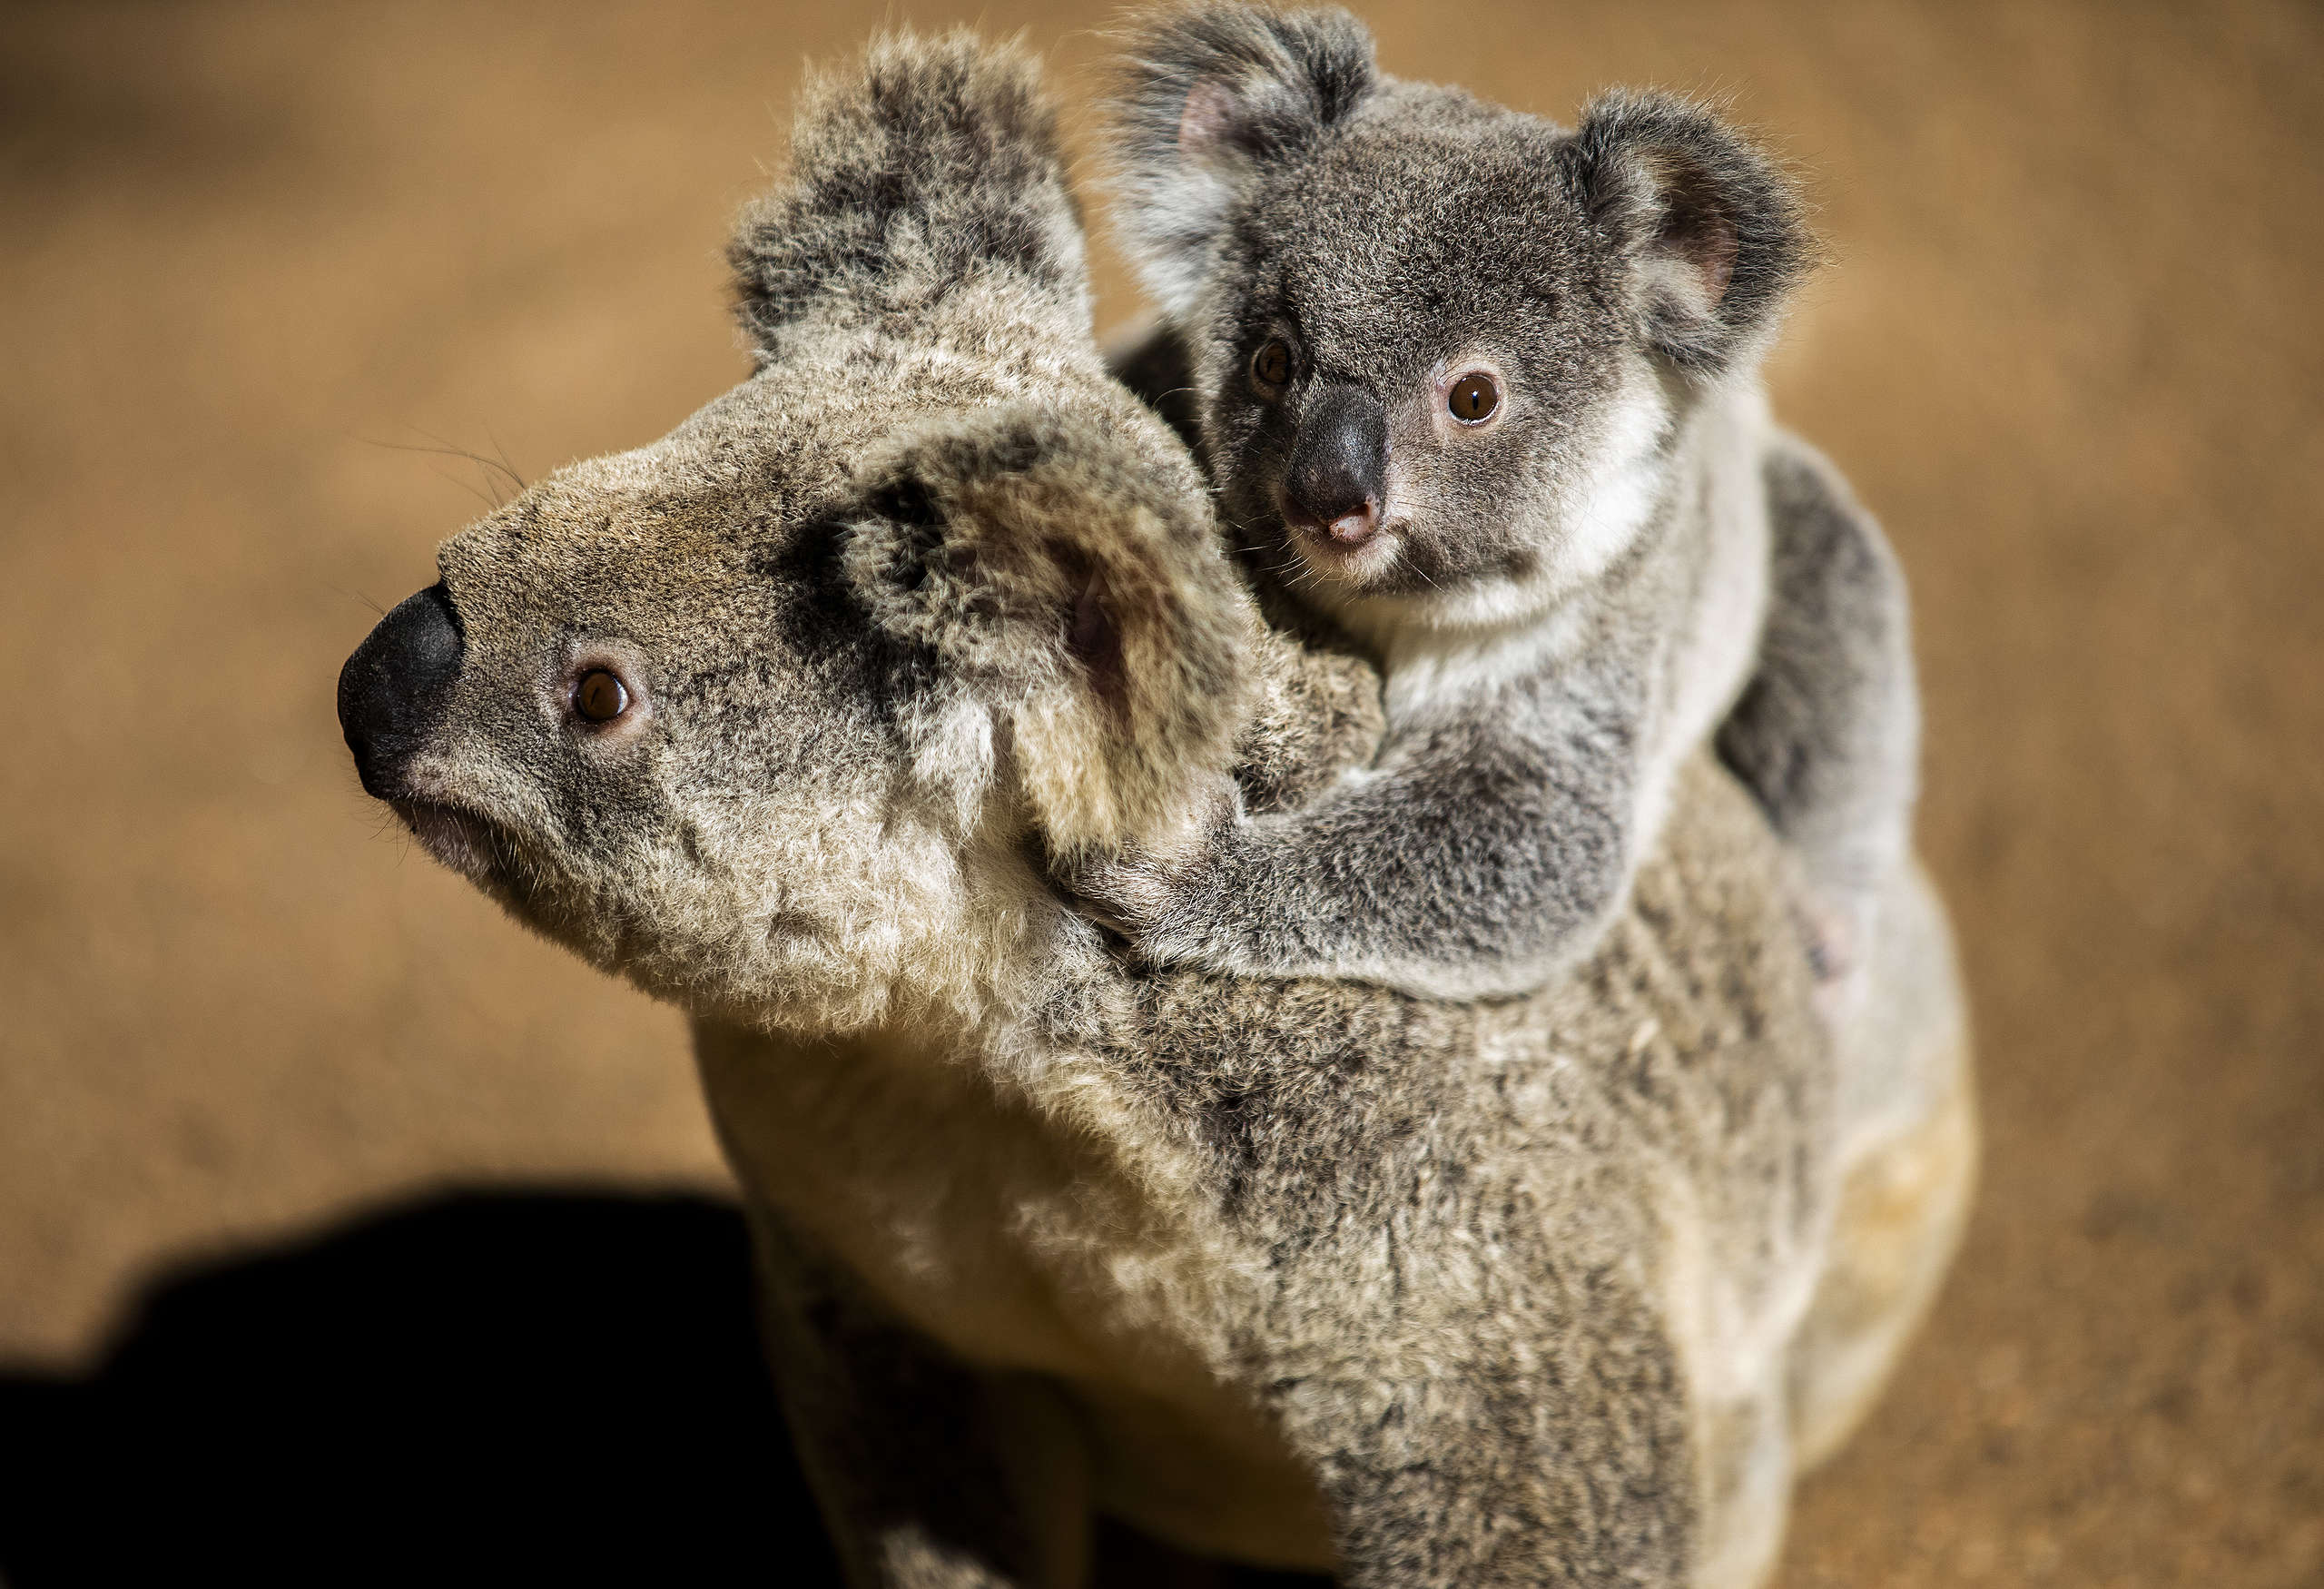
[[1441, 346]]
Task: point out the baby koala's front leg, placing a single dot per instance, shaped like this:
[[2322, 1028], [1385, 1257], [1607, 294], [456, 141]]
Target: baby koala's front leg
[[1153, 899], [1475, 862]]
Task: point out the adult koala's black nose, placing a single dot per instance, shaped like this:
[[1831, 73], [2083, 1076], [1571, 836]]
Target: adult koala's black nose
[[1339, 465], [393, 690]]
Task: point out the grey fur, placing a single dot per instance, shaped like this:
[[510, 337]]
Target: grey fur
[[1525, 1292], [942, 177], [1827, 733], [1572, 599]]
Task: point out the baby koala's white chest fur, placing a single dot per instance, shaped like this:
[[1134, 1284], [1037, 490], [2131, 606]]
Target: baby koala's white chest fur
[[1687, 609], [1726, 539]]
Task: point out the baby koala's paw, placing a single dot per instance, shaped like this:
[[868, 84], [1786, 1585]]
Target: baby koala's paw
[[1835, 933], [1158, 901]]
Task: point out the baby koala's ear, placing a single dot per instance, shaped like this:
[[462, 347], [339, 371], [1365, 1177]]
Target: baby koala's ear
[[1211, 95], [1711, 227], [1079, 607]]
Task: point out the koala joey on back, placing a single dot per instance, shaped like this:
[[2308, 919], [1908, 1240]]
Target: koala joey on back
[[784, 717], [1480, 392]]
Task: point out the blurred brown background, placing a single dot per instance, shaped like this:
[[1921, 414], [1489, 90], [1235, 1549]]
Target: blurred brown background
[[2072, 349]]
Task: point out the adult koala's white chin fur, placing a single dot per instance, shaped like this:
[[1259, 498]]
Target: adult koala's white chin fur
[[789, 716]]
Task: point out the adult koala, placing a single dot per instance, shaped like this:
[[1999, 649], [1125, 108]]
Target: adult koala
[[786, 716]]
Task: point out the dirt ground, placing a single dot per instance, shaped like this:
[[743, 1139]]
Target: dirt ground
[[256, 262]]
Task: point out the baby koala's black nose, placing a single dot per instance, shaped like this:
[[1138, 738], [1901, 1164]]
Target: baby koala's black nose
[[392, 691], [1339, 465]]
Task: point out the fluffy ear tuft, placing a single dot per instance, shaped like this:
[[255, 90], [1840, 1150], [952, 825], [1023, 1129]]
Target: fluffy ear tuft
[[1211, 96], [1713, 229], [1081, 602], [930, 163]]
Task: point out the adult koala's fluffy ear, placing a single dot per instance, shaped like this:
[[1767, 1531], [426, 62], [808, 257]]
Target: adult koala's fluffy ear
[[1083, 631], [928, 168], [1713, 226], [1210, 97]]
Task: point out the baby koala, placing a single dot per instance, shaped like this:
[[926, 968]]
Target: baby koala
[[1482, 393]]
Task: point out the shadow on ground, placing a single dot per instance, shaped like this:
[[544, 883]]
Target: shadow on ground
[[522, 1386]]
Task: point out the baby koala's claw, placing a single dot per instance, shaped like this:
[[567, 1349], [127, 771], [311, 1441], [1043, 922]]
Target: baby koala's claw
[[1130, 894], [1835, 935], [1153, 900]]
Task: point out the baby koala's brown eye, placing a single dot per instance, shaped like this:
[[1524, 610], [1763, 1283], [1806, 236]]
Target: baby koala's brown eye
[[1271, 365], [1473, 398], [599, 696]]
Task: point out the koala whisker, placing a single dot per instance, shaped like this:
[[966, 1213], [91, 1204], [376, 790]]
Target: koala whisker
[[492, 499], [358, 596], [1297, 574], [499, 465], [441, 448], [501, 454]]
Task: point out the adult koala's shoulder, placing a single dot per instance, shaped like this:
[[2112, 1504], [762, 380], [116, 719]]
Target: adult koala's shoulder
[[785, 716]]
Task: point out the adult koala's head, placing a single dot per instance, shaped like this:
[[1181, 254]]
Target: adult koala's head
[[1439, 344], [777, 714]]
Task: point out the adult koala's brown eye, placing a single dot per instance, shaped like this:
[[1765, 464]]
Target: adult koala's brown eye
[[1271, 365], [599, 696], [1473, 398]]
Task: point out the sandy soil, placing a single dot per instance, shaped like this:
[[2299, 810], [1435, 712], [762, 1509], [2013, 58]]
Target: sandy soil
[[256, 262]]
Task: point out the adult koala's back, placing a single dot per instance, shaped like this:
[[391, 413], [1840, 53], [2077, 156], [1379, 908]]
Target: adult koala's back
[[785, 717]]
